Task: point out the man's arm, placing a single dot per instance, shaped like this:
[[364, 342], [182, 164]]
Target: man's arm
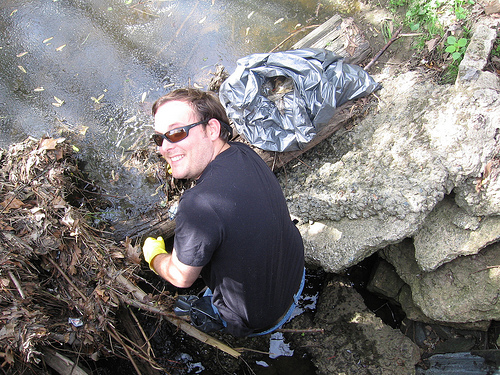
[[174, 271]]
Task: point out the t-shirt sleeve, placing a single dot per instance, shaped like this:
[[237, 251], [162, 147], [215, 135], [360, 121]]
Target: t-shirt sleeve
[[198, 230]]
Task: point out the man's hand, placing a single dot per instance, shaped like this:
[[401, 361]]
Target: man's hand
[[152, 247]]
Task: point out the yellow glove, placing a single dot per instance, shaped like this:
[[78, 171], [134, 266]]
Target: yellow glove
[[152, 248]]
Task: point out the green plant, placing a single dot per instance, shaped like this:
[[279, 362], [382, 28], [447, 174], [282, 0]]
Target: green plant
[[423, 15], [394, 4], [456, 47], [458, 7], [496, 48]]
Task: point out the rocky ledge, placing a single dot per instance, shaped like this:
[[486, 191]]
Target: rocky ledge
[[415, 181]]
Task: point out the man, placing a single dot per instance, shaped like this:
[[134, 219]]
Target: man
[[233, 227]]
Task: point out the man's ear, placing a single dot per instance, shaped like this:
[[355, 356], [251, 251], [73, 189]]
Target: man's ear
[[213, 127]]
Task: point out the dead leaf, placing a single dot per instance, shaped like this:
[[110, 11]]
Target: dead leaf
[[11, 204], [117, 255], [58, 49], [97, 100], [75, 257], [47, 144], [59, 102], [5, 226], [59, 202], [9, 355], [21, 68], [133, 252], [101, 293], [431, 44], [48, 39], [21, 54]]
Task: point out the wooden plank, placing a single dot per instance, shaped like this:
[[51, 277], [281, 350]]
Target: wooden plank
[[338, 35], [319, 33]]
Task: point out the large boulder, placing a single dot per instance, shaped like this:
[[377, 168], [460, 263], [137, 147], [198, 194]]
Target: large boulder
[[423, 165], [449, 232], [376, 185], [462, 291]]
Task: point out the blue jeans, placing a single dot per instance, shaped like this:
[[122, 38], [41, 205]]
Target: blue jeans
[[289, 313], [283, 320]]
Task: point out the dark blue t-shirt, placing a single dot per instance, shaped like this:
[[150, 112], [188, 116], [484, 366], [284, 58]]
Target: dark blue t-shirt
[[235, 223]]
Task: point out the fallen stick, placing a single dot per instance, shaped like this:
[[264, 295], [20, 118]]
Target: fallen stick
[[305, 330], [17, 284], [171, 317], [61, 364], [377, 56]]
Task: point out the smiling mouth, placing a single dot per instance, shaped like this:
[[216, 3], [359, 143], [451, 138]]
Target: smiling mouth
[[176, 158]]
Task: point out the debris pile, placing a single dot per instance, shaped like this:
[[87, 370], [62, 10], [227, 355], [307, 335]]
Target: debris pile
[[61, 279]]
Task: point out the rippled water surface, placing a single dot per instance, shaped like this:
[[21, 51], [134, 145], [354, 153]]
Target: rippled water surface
[[89, 70]]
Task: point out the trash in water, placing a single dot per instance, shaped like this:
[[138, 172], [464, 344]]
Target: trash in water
[[278, 347], [77, 322]]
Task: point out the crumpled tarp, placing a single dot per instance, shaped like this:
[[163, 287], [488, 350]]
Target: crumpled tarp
[[279, 101]]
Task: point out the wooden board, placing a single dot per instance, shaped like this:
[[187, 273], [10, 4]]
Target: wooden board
[[338, 35]]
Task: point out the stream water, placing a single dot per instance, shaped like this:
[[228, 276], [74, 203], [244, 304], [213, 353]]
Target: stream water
[[90, 69]]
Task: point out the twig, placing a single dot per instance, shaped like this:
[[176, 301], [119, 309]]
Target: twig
[[63, 274], [17, 284], [183, 325], [486, 269], [242, 349], [179, 29], [139, 326], [306, 330], [60, 363], [112, 332], [171, 317], [377, 56]]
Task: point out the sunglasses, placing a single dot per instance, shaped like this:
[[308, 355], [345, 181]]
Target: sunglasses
[[175, 135]]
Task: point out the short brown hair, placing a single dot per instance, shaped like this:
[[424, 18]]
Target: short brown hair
[[205, 104]]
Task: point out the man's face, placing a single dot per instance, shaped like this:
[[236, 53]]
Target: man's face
[[189, 157]]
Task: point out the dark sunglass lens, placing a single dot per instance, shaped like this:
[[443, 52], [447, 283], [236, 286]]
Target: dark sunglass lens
[[158, 139], [176, 135]]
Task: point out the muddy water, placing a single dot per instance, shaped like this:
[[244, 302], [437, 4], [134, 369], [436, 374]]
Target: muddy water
[[89, 70]]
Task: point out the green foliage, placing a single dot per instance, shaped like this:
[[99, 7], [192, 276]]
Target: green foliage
[[458, 6], [456, 47], [423, 15], [395, 4], [496, 48]]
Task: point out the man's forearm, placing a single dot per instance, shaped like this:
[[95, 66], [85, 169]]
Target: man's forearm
[[171, 269]]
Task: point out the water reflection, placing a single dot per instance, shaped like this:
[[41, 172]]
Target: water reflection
[[90, 69]]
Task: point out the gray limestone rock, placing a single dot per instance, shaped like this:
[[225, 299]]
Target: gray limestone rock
[[355, 341], [382, 182], [449, 232], [462, 291]]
